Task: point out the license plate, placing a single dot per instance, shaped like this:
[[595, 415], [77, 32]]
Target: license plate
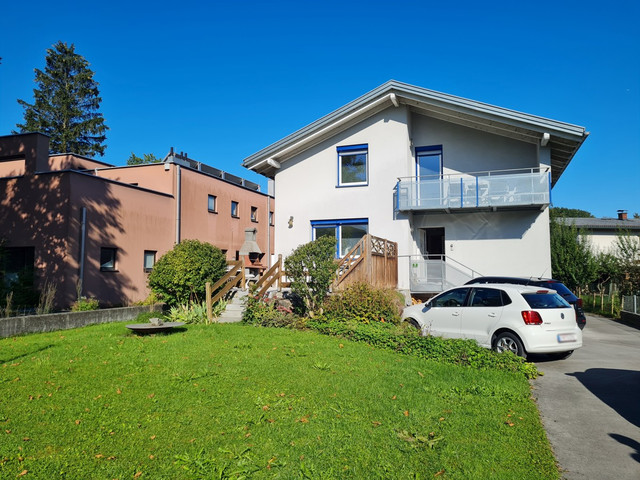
[[566, 337]]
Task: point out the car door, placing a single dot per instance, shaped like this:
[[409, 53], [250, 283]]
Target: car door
[[484, 309], [445, 313]]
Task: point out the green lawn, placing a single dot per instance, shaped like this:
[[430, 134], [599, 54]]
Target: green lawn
[[232, 401]]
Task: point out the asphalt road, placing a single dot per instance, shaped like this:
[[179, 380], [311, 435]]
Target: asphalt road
[[590, 404]]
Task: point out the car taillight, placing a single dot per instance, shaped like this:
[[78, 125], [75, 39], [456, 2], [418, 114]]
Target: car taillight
[[531, 318], [579, 303]]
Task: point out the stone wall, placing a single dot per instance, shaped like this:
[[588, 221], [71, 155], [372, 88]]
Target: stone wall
[[63, 321]]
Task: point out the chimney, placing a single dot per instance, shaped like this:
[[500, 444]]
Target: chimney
[[622, 215], [250, 245]]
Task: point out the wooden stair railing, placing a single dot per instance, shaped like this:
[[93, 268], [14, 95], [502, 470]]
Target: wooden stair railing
[[351, 260], [271, 276], [234, 277]]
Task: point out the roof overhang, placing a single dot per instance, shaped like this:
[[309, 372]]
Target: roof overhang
[[563, 139]]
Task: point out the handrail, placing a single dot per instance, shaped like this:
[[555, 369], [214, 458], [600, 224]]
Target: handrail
[[487, 173], [232, 278], [443, 258], [347, 264], [271, 276]]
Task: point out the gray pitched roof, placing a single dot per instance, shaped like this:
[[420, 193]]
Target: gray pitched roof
[[565, 139], [604, 223]]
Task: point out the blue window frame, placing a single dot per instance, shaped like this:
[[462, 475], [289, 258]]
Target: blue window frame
[[353, 165], [347, 232]]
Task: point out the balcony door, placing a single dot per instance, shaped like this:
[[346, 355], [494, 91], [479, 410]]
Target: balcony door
[[429, 174]]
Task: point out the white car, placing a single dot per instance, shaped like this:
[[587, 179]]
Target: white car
[[519, 318]]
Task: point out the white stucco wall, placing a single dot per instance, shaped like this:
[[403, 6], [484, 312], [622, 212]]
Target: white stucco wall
[[491, 243]]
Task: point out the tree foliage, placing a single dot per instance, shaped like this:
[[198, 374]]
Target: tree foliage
[[627, 252], [180, 275], [557, 212], [146, 158], [66, 103], [312, 268], [572, 259]]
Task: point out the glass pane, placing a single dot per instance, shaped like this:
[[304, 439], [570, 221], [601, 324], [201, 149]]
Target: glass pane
[[212, 203], [429, 164], [351, 234], [453, 298], [353, 168], [107, 258], [149, 259], [325, 231]]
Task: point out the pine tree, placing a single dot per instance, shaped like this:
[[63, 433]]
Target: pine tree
[[66, 103]]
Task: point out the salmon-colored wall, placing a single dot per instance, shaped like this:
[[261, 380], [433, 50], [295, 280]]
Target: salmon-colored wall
[[44, 210], [70, 161], [128, 219], [10, 168], [221, 229]]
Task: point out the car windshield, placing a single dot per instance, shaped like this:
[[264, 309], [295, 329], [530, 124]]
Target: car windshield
[[545, 300]]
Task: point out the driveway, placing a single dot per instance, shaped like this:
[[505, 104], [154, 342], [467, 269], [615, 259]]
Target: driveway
[[590, 403]]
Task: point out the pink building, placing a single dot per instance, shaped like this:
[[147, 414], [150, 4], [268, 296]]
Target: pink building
[[82, 224]]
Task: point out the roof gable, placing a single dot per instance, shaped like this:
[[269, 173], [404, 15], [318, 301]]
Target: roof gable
[[564, 139]]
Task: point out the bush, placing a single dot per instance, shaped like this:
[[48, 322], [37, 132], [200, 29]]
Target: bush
[[180, 275], [192, 313], [312, 269], [360, 302], [84, 304], [409, 342], [267, 312]]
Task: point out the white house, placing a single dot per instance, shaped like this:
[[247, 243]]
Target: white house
[[602, 233], [463, 187]]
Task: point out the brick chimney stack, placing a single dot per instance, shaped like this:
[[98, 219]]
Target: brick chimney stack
[[622, 214]]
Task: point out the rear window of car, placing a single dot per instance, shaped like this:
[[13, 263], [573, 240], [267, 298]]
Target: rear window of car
[[558, 287], [545, 300]]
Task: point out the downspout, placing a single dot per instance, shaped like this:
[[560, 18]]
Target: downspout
[[178, 202], [268, 231], [83, 229]]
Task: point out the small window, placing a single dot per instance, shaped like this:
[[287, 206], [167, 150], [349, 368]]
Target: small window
[[254, 214], [211, 204], [271, 218], [234, 209], [108, 259], [149, 260], [352, 165]]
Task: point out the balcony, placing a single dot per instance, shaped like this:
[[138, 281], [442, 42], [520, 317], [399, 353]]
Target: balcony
[[494, 190]]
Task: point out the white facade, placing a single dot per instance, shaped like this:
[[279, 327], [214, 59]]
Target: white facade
[[478, 240]]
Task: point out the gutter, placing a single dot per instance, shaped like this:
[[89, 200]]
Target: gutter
[[387, 98]]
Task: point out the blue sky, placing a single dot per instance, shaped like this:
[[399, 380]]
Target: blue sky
[[222, 80]]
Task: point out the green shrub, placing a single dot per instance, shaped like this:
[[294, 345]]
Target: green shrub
[[180, 275], [84, 304], [360, 302], [451, 351], [190, 313], [311, 268], [267, 313]]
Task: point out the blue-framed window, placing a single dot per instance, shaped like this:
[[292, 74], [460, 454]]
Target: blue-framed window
[[347, 232], [353, 168], [429, 161]]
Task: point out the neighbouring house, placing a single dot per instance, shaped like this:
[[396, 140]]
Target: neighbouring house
[[463, 187], [602, 233], [95, 229]]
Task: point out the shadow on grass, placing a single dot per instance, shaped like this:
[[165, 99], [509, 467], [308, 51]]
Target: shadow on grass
[[13, 359]]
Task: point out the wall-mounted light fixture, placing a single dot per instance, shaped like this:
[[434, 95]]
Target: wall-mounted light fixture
[[291, 222]]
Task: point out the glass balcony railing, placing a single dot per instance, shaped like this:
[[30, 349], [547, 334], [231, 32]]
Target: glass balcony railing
[[495, 189]]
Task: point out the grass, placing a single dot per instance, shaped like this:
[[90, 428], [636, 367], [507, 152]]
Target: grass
[[232, 401]]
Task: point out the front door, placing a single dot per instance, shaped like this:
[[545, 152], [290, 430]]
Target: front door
[[433, 243]]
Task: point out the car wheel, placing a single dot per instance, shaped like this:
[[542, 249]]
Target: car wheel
[[509, 342]]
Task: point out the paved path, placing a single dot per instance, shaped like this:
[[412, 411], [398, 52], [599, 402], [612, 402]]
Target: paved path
[[590, 404]]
